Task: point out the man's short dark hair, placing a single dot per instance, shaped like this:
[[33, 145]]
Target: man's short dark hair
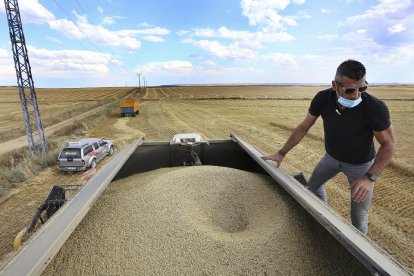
[[352, 69]]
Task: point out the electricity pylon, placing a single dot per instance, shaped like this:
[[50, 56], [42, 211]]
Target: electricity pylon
[[24, 78]]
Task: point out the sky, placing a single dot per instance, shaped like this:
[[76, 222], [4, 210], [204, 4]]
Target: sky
[[75, 43]]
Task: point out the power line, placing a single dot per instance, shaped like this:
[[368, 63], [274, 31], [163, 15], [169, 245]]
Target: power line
[[80, 6], [25, 82], [105, 45], [77, 41], [120, 69]]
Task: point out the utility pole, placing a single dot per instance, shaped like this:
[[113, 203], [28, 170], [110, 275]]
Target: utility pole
[[24, 77], [139, 80]]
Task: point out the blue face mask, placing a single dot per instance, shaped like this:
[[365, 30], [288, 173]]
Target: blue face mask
[[349, 103]]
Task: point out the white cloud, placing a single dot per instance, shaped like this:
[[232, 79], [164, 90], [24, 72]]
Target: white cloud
[[153, 38], [124, 39], [54, 39], [100, 9], [381, 66], [70, 63], [391, 6], [81, 18], [328, 36], [290, 21], [107, 20], [266, 13], [385, 9], [149, 31], [397, 28], [34, 12], [31, 11], [325, 11], [281, 59], [4, 53], [110, 20], [398, 57], [172, 67], [182, 32], [67, 28], [387, 17], [96, 34], [64, 68], [360, 40], [389, 25], [215, 48], [246, 38], [7, 71], [144, 24], [181, 71], [321, 68], [224, 32], [210, 69]]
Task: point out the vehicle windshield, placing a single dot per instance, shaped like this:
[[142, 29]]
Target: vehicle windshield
[[70, 152]]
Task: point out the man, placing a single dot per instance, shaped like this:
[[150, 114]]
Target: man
[[351, 118]]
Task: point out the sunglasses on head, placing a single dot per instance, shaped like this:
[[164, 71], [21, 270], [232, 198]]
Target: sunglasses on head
[[352, 90]]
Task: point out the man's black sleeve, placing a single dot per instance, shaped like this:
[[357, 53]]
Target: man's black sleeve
[[379, 116], [316, 105]]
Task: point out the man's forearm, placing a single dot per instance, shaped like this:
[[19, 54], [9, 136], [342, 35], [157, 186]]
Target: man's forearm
[[298, 134], [294, 139], [383, 157]]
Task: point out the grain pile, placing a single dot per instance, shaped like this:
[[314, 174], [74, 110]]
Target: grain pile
[[199, 220]]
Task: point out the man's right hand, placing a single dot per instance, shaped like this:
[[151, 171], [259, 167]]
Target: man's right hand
[[277, 157]]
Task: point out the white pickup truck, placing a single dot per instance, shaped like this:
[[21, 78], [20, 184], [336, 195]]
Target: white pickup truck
[[84, 154]]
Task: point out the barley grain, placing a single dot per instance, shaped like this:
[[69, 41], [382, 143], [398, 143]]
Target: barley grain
[[200, 220]]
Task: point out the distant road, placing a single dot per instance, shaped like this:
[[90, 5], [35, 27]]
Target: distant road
[[21, 142]]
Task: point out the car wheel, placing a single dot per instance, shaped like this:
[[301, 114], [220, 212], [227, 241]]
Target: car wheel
[[93, 164], [111, 151]]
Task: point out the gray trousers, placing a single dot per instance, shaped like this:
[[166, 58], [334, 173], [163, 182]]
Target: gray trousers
[[326, 169]]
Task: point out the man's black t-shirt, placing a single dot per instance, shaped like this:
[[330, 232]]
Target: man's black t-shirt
[[349, 132]]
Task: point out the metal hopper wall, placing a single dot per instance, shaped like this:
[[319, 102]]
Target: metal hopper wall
[[138, 157]]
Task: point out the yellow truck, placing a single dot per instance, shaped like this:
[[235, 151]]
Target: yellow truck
[[129, 107]]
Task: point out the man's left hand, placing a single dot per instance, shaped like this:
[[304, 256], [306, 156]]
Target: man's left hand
[[360, 188]]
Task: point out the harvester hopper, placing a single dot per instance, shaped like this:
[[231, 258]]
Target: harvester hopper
[[190, 149]]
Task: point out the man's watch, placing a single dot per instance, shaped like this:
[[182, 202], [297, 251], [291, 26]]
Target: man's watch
[[372, 177]]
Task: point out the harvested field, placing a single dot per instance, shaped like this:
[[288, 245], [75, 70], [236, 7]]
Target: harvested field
[[262, 116], [55, 105], [200, 220], [283, 92]]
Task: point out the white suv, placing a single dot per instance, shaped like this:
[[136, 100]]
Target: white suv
[[83, 155]]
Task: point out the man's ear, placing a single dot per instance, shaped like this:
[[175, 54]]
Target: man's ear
[[334, 85]]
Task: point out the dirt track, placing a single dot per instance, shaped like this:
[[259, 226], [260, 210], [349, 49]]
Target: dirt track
[[262, 123], [21, 142]]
